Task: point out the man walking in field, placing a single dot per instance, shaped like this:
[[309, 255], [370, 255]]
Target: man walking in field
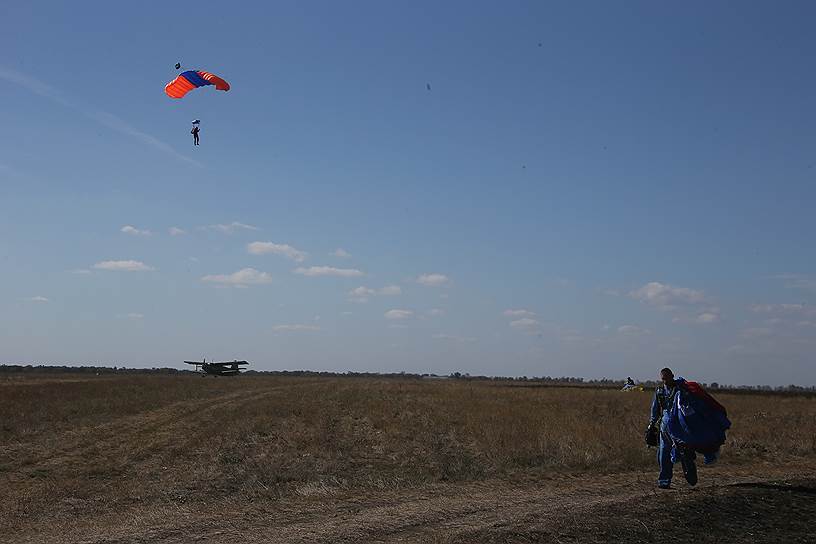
[[668, 451]]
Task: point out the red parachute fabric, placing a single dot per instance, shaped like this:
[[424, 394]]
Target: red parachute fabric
[[697, 390]]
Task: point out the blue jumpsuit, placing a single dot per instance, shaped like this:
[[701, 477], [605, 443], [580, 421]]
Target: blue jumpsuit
[[668, 452]]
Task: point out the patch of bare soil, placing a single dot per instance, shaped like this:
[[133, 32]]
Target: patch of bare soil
[[737, 504]]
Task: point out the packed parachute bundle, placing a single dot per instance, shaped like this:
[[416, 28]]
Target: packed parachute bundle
[[696, 419]]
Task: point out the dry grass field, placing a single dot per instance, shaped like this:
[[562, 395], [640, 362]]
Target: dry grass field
[[148, 458]]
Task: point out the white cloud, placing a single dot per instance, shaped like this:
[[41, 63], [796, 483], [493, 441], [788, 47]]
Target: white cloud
[[175, 231], [436, 312], [133, 231], [262, 248], [524, 323], [519, 313], [340, 252], [315, 271], [433, 280], [667, 297], [798, 281], [453, 338], [781, 309], [708, 317], [399, 314], [242, 278], [632, 330], [37, 299], [123, 266], [605, 327], [229, 228], [361, 294], [295, 328]]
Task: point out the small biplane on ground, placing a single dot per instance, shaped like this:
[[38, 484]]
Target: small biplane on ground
[[226, 368]]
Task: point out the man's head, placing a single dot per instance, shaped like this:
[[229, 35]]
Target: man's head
[[667, 376]]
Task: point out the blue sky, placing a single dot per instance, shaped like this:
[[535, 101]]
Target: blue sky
[[588, 189]]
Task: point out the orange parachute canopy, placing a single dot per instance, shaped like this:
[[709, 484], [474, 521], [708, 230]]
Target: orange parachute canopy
[[192, 79]]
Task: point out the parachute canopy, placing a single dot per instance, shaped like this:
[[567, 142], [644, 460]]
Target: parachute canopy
[[696, 419], [192, 79]]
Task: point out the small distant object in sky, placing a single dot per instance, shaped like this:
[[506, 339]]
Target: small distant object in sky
[[197, 121], [540, 44], [178, 65], [428, 86], [524, 166]]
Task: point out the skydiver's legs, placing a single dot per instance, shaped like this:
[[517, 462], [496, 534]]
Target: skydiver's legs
[[664, 451], [687, 457]]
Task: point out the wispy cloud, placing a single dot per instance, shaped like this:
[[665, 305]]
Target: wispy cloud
[[436, 312], [433, 280], [132, 315], [175, 231], [316, 271], [340, 252], [295, 328], [361, 294], [241, 278], [229, 228], [37, 299], [525, 323], [79, 271], [398, 314], [101, 117], [123, 266], [453, 338], [263, 248], [667, 297], [133, 231], [798, 281], [633, 330], [688, 305], [519, 313]]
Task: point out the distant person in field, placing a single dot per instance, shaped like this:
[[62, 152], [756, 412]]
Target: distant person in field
[[194, 132], [668, 451]]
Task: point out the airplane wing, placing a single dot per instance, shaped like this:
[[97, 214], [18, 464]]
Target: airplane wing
[[227, 363], [193, 363]]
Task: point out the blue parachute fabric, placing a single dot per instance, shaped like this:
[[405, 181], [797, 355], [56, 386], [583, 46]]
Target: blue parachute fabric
[[695, 423]]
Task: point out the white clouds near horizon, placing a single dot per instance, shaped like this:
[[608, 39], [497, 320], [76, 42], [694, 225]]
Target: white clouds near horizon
[[133, 231], [433, 280], [296, 327], [317, 271], [361, 294], [398, 314], [518, 313], [229, 228], [242, 278], [263, 248], [123, 266]]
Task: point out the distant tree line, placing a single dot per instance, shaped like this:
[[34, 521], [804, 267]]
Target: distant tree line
[[606, 383]]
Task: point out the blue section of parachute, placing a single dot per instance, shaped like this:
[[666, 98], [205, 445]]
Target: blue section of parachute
[[194, 78], [696, 423]]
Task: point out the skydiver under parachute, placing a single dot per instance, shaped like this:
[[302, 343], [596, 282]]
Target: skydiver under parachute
[[189, 80]]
